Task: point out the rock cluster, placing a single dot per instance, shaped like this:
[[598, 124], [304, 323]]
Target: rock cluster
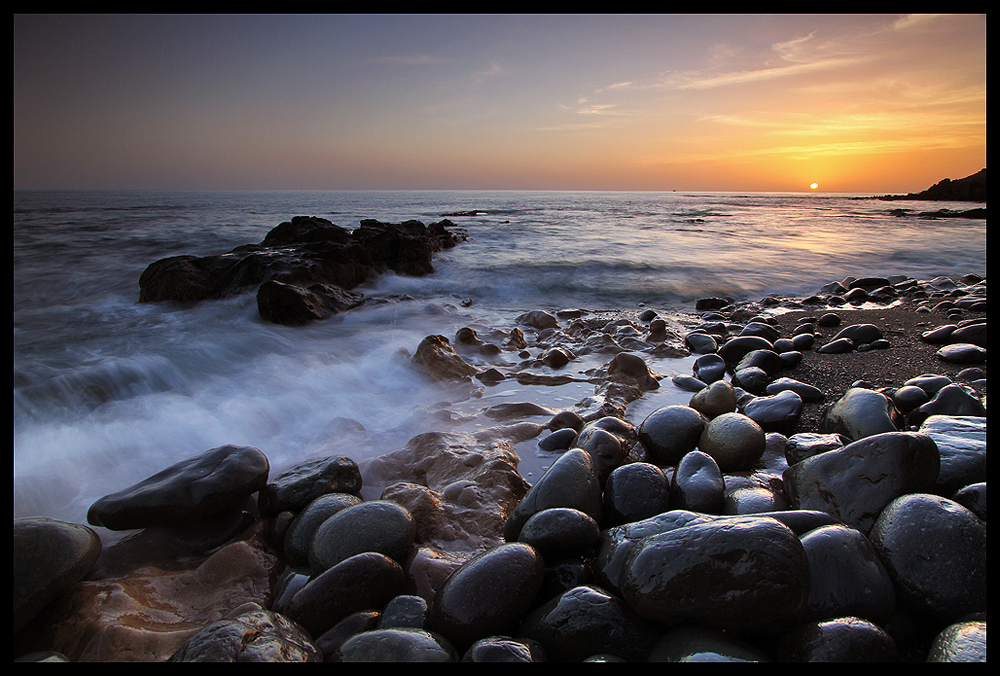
[[304, 269], [710, 531]]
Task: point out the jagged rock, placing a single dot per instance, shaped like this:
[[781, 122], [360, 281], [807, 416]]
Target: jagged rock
[[436, 358]]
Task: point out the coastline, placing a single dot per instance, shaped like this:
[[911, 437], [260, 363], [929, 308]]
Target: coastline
[[902, 320]]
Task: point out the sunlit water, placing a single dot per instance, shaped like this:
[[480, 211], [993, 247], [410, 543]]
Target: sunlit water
[[108, 391]]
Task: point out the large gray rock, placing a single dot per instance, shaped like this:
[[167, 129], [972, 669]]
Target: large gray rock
[[861, 413], [856, 482], [748, 574], [49, 556], [218, 480]]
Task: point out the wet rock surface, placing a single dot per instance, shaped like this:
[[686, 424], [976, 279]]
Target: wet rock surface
[[804, 505]]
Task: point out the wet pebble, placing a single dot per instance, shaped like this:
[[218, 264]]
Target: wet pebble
[[634, 492], [861, 412], [374, 526], [396, 645], [588, 620], [302, 528], [571, 481], [734, 441], [744, 573], [714, 400], [935, 552], [488, 594], [560, 532], [962, 353], [697, 484], [845, 639], [960, 642], [505, 649], [709, 368], [703, 644], [669, 432], [779, 412]]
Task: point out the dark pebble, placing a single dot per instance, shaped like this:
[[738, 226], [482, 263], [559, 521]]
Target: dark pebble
[[697, 485], [670, 432], [560, 532], [396, 645], [846, 639], [376, 526], [634, 492]]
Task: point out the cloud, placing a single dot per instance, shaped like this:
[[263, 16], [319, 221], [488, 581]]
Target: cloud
[[412, 60]]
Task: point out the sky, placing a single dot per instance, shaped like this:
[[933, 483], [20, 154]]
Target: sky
[[853, 103]]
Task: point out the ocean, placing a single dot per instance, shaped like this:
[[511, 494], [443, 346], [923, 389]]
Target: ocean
[[108, 391]]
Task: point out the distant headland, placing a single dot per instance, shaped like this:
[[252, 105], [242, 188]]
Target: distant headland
[[969, 189]]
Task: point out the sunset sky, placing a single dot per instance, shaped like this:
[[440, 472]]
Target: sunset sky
[[854, 103]]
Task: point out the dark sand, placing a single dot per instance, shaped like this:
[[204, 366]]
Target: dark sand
[[907, 357]]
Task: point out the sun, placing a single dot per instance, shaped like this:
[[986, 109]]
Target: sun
[[814, 185]]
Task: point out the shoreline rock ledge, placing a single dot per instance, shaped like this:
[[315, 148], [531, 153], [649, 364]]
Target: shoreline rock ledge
[[304, 269]]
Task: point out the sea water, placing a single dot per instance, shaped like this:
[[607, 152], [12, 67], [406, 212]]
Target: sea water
[[108, 391]]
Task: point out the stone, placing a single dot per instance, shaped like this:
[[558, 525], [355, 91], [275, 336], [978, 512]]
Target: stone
[[215, 481], [634, 492], [734, 349], [670, 432], [935, 552], [255, 636], [302, 528], [697, 484], [363, 581], [837, 346], [702, 644], [631, 369], [587, 620], [734, 441], [558, 440], [807, 444], [845, 639], [861, 412], [950, 400], [701, 343], [437, 359], [375, 526], [909, 397], [293, 305], [856, 482], [973, 498], [752, 500], [488, 594], [405, 610], [752, 379], [560, 532], [961, 442], [49, 556], [962, 353], [714, 400], [538, 319], [299, 485], [960, 642], [504, 649], [571, 481], [605, 449], [847, 577], [810, 394], [776, 413], [400, 644], [859, 333], [750, 574], [710, 368]]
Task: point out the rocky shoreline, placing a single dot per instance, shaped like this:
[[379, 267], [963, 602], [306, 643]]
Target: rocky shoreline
[[822, 497]]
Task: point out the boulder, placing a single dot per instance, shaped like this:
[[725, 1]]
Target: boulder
[[254, 636], [436, 358], [300, 484], [217, 481]]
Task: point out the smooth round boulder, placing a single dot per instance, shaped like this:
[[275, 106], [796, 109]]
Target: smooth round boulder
[[935, 552], [709, 368], [962, 353], [297, 486], [749, 574], [634, 492], [701, 343], [847, 577], [192, 490], [697, 484], [398, 644], [302, 528], [859, 333], [778, 412], [504, 649], [856, 482], [488, 594], [860, 413], [702, 644], [49, 556], [606, 450], [587, 620], [844, 639], [960, 642], [734, 349], [809, 393], [559, 532], [571, 481], [734, 441], [376, 526], [670, 432], [361, 582], [714, 400]]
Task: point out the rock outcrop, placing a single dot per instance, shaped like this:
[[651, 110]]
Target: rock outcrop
[[304, 269], [969, 189]]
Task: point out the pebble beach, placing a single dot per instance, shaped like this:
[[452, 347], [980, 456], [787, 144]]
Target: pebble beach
[[819, 498]]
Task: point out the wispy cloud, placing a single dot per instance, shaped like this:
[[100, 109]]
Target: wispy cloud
[[412, 60]]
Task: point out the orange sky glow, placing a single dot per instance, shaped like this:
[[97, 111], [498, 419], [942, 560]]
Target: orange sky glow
[[855, 103]]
